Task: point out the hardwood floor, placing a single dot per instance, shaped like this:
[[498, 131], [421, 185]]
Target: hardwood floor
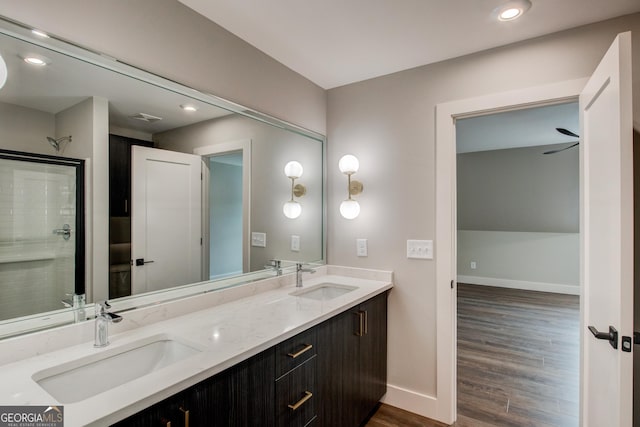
[[518, 361], [389, 416], [518, 358]]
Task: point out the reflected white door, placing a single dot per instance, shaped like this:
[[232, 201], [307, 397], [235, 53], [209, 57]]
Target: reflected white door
[[607, 233], [165, 219]]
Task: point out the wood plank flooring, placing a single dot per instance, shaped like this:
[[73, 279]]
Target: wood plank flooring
[[518, 358], [518, 361], [389, 416]]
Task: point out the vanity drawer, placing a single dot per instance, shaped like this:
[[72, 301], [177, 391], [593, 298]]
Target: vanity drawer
[[295, 351], [296, 396]]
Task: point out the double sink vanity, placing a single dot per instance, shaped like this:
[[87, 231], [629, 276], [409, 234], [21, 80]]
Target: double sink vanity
[[264, 353]]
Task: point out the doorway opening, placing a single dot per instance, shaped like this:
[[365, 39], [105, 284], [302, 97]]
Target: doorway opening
[[226, 199], [225, 215], [518, 266]]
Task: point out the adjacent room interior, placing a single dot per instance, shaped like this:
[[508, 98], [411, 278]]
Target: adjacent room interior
[[518, 267]]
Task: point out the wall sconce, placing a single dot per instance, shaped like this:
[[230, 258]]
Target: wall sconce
[[349, 165], [292, 209]]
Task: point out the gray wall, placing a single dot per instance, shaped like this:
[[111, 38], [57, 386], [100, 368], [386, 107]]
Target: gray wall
[[389, 124], [169, 39], [519, 189], [271, 149], [25, 129]]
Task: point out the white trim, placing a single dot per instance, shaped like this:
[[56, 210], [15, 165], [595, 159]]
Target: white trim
[[556, 288], [409, 400], [446, 115], [243, 145]]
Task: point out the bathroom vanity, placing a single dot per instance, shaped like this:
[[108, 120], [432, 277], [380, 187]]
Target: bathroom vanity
[[332, 374], [262, 354]]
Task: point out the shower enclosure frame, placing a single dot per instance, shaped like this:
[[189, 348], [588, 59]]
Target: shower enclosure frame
[[79, 227]]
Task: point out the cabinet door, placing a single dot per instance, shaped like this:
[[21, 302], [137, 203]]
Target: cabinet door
[[333, 338], [352, 364], [250, 387], [241, 396], [372, 358]]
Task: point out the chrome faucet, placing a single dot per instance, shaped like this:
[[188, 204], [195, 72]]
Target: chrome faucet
[[76, 302], [275, 265], [299, 271], [103, 318]]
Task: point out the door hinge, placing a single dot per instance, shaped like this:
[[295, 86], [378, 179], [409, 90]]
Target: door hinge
[[453, 284]]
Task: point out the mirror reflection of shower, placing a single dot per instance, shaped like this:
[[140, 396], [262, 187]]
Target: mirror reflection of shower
[[57, 143]]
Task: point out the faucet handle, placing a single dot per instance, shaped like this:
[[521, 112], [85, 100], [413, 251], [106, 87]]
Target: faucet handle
[[102, 307]]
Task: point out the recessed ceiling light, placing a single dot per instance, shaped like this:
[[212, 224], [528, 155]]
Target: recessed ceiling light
[[34, 60], [187, 107], [40, 33], [511, 10]]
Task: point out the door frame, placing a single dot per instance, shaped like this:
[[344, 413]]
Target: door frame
[[244, 146], [445, 214]]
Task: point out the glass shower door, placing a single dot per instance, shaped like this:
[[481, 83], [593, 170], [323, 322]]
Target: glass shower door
[[41, 233]]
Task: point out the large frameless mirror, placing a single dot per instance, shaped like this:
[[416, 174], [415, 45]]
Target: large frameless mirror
[[184, 191]]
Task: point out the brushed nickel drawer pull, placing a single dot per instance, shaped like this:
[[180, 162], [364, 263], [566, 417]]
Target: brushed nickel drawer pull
[[307, 396], [306, 348]]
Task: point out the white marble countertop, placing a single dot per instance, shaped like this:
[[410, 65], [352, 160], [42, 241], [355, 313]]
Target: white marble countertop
[[227, 333]]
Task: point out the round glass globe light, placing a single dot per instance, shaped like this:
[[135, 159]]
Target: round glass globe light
[[349, 164], [3, 72], [349, 209], [293, 169], [292, 209]]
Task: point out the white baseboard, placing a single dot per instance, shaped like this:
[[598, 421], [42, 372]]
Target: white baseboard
[[521, 284], [411, 401]]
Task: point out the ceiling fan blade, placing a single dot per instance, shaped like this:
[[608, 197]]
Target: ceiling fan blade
[[567, 132], [562, 149]]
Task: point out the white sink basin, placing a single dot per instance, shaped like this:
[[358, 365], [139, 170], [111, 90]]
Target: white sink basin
[[324, 291], [86, 377]]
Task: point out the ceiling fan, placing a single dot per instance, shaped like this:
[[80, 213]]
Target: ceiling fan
[[568, 133]]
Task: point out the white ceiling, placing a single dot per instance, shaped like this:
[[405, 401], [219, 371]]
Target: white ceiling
[[66, 81], [516, 129], [337, 42]]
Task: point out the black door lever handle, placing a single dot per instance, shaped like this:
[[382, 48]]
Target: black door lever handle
[[611, 336]]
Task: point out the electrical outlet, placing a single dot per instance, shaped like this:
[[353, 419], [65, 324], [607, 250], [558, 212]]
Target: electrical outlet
[[295, 243], [420, 249], [259, 239], [473, 265], [361, 245]]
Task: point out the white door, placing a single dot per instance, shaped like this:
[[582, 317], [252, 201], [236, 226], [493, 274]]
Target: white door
[[165, 219], [607, 233]]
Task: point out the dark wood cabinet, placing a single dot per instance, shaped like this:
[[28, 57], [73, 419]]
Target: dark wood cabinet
[[352, 363], [331, 375]]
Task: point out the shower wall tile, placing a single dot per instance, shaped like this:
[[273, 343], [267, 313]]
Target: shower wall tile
[[35, 199]]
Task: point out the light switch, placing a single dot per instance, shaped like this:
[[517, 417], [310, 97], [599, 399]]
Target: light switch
[[295, 243], [361, 245], [420, 249], [259, 239]]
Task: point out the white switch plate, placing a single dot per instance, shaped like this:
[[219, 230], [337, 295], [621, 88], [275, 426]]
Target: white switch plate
[[420, 249], [295, 243], [361, 245], [259, 239]]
